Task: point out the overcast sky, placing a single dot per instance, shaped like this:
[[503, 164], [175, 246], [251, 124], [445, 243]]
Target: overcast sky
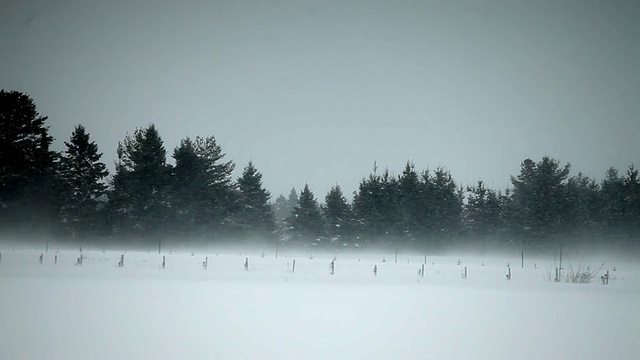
[[316, 91]]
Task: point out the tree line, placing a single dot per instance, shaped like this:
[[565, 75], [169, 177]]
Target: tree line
[[71, 194]]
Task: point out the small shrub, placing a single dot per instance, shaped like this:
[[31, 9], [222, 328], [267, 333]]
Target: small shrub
[[583, 274]]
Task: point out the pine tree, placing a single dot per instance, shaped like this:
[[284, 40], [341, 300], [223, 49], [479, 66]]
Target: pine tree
[[412, 200], [612, 198], [377, 208], [280, 208], [631, 186], [292, 201], [27, 166], [139, 200], [254, 216], [338, 215], [482, 212], [582, 205], [538, 195], [82, 172], [306, 223], [189, 187], [203, 195], [446, 205]]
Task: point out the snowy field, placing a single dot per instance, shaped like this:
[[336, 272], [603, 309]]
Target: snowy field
[[99, 310]]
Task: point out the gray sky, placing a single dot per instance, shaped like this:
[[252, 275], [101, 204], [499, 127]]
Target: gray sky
[[316, 91]]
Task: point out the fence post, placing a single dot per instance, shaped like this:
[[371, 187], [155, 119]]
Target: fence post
[[560, 267], [293, 269]]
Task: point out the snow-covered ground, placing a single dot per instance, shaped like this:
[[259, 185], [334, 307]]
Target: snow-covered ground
[[99, 310]]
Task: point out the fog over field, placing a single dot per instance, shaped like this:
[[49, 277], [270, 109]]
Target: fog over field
[[246, 303], [319, 179]]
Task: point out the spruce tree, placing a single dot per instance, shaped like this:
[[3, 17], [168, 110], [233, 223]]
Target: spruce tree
[[203, 194], [255, 216], [27, 166], [538, 194], [482, 217], [446, 198], [631, 186], [582, 206], [377, 208], [82, 172], [306, 223], [139, 202], [338, 216], [412, 200], [280, 208], [292, 201]]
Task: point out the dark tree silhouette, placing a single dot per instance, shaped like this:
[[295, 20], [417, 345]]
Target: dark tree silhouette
[[255, 216], [27, 169], [81, 173], [139, 202], [338, 216], [306, 223]]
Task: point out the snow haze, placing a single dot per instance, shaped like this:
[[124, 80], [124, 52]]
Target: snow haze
[[98, 310]]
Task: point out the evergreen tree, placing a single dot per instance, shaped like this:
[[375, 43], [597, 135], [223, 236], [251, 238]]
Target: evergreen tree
[[189, 187], [283, 207], [255, 215], [582, 205], [27, 166], [138, 202], [292, 201], [279, 208], [538, 194], [413, 196], [482, 211], [631, 187], [377, 207], [82, 172], [446, 205], [612, 198], [306, 223], [204, 195], [338, 216]]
